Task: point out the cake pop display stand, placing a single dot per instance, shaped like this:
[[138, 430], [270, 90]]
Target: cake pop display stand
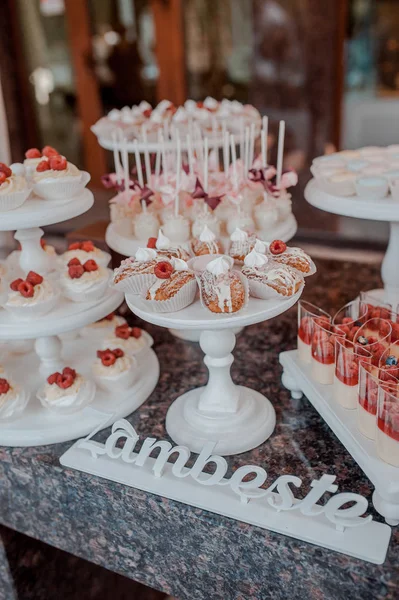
[[235, 418], [39, 426], [384, 209], [384, 477]]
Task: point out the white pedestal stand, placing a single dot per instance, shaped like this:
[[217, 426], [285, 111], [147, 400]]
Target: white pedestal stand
[[385, 478], [386, 209], [235, 418]]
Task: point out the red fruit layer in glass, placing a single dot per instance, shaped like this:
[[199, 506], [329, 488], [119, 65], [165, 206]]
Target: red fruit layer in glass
[[369, 402], [347, 379], [389, 428]]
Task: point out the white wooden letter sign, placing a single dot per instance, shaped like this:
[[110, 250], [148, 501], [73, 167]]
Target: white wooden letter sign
[[273, 506]]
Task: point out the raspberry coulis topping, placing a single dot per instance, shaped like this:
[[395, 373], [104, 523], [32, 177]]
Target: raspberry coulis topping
[[26, 287], [152, 242], [125, 332], [57, 163], [43, 166], [277, 247], [76, 269], [3, 177], [108, 357], [50, 151], [64, 380], [6, 170], [33, 153], [4, 386], [163, 270], [86, 246]]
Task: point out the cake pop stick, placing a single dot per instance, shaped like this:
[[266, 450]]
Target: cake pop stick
[[263, 138], [125, 163], [158, 159], [146, 154], [206, 164], [251, 145], [118, 166], [144, 206], [190, 154], [138, 164], [164, 163], [242, 140], [246, 149], [178, 173], [280, 152], [234, 162]]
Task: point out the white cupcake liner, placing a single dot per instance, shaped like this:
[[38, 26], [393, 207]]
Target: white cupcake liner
[[102, 259], [264, 292], [243, 280], [184, 297], [338, 188], [32, 311], [15, 406], [14, 200], [62, 188], [198, 263], [135, 284], [95, 293], [84, 397], [121, 382]]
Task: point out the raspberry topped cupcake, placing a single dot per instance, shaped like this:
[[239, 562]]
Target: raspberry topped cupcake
[[85, 282], [114, 370], [85, 251], [174, 288], [103, 327], [295, 258], [267, 279], [131, 340], [13, 399], [242, 243], [34, 156], [135, 274], [165, 248], [33, 296], [222, 289], [67, 391], [14, 189], [56, 178], [206, 243]]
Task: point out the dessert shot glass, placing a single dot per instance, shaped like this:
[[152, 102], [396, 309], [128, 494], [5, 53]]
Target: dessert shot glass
[[323, 352], [370, 380], [374, 336], [387, 430], [348, 357], [351, 317], [376, 307], [307, 312]]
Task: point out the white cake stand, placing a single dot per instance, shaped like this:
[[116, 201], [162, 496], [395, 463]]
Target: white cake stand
[[386, 209], [235, 418]]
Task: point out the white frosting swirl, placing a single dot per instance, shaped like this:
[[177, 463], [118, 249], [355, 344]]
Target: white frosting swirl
[[41, 292], [121, 365], [180, 115], [57, 396], [211, 103], [50, 174], [260, 246], [12, 184], [207, 235], [179, 264], [9, 396], [145, 254], [255, 259], [239, 235], [163, 242], [218, 266]]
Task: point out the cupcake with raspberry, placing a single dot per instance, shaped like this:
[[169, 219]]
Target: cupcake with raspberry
[[103, 327], [66, 392], [14, 189], [131, 340], [13, 398], [165, 248], [31, 297], [268, 279], [135, 274], [222, 289], [114, 370], [206, 243], [85, 251], [56, 178], [295, 258], [85, 282], [242, 243], [34, 156], [174, 288]]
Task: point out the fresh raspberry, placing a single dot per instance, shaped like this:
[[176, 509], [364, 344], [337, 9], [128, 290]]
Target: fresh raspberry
[[108, 359], [4, 386], [73, 262], [43, 244], [26, 289], [58, 163], [49, 151], [277, 247], [69, 371], [152, 242], [34, 278], [53, 378], [147, 113], [326, 350], [14, 284], [87, 246], [2, 177], [43, 166], [123, 332], [347, 320], [389, 373], [33, 153], [65, 381], [118, 352], [76, 271], [109, 317], [395, 331], [74, 246], [200, 104], [136, 332], [90, 265], [6, 170], [163, 270]]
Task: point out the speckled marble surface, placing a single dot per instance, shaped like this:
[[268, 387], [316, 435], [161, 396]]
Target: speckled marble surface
[[184, 551]]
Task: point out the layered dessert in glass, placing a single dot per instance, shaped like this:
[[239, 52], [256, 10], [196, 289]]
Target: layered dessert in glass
[[346, 377], [307, 312]]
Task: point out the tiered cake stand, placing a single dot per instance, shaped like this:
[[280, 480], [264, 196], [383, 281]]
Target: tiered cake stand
[[234, 418], [385, 209], [37, 425]]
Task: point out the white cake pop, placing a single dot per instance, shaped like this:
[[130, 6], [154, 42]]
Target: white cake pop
[[145, 225], [266, 214], [284, 205], [206, 219], [240, 221], [177, 228]]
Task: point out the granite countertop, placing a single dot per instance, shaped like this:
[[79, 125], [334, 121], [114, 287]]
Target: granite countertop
[[185, 551]]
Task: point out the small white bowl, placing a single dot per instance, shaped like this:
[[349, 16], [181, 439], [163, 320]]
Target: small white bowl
[[372, 187], [62, 188], [29, 312], [122, 382], [332, 160], [91, 295], [14, 199], [341, 184], [13, 408], [357, 165]]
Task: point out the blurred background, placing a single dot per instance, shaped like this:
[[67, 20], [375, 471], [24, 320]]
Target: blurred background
[[329, 68]]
